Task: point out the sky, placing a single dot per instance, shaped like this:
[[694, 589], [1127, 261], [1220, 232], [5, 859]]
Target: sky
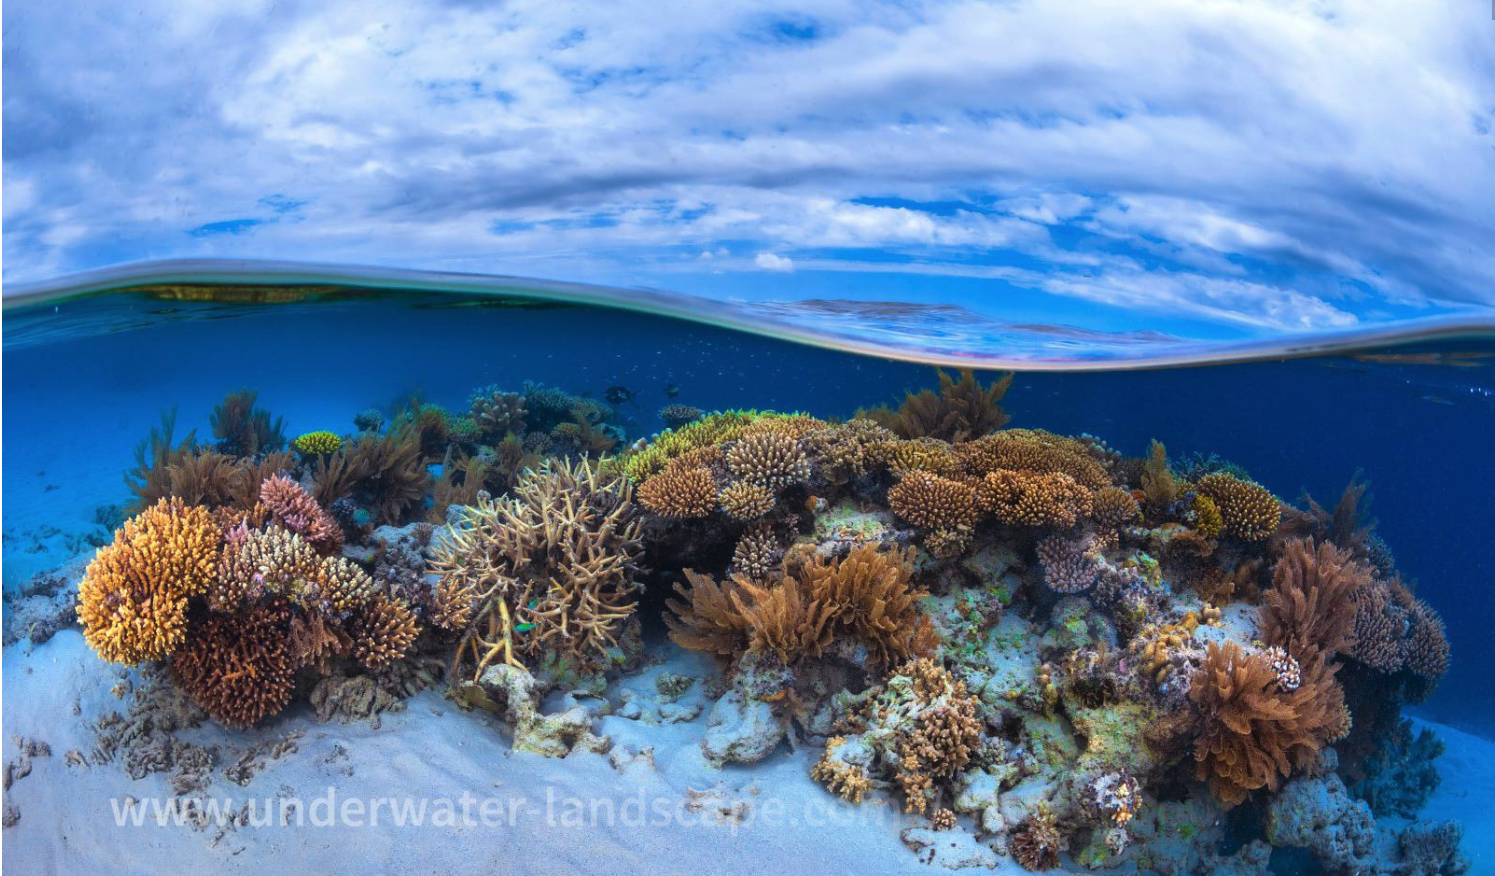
[[1229, 169]]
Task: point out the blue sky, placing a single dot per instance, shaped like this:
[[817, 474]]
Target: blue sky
[[1217, 168]]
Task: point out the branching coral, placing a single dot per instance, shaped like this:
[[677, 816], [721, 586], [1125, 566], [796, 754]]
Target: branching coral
[[712, 429], [757, 555], [275, 561], [1037, 844], [743, 500], [1248, 510], [677, 415], [942, 737], [848, 450], [292, 507], [1030, 499], [768, 458], [132, 601], [1114, 507], [382, 631], [239, 668], [847, 781], [318, 443], [679, 491], [1159, 486], [1036, 451], [553, 568], [1068, 563], [1427, 642], [497, 413], [916, 454], [1311, 606], [866, 597], [935, 503], [1251, 733]]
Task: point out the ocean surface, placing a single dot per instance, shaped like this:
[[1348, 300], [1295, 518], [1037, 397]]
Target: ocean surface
[[89, 370]]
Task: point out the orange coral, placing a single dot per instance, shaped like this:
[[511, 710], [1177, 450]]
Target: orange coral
[[132, 601], [868, 597], [1034, 450], [679, 491], [1248, 510], [933, 502], [239, 668], [1252, 733], [1115, 507], [1023, 498], [916, 454], [746, 501]]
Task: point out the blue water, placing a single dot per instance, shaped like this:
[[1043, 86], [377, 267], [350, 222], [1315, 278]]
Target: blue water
[[85, 380]]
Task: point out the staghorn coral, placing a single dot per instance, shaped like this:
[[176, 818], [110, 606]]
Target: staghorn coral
[[452, 603], [768, 458], [132, 601], [1020, 498], [1252, 734], [679, 491], [867, 597], [382, 631], [293, 508], [244, 430], [1247, 510], [318, 443], [1036, 451], [553, 568], [945, 506], [743, 500], [1310, 607], [239, 668]]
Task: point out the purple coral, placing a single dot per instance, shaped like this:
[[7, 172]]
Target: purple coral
[[1068, 566]]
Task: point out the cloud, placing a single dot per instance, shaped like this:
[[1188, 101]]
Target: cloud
[[776, 263], [1263, 166]]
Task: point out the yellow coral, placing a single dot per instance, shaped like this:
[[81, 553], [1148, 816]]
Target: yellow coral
[[1023, 498], [133, 598], [679, 491], [318, 443], [1207, 520], [716, 428], [746, 501], [919, 454], [1248, 510]]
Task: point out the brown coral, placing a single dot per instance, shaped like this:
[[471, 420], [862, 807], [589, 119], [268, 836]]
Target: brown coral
[[1251, 733], [867, 597], [933, 502], [679, 491], [768, 457], [745, 500], [382, 631], [847, 781], [1031, 499], [239, 668], [1427, 642], [846, 451], [757, 555], [1248, 510], [958, 411], [1311, 606], [915, 454], [553, 567], [943, 737], [132, 601], [1037, 844], [497, 413], [1115, 507], [295, 509], [1034, 450]]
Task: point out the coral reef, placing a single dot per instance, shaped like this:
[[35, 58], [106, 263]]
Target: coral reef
[[318, 443]]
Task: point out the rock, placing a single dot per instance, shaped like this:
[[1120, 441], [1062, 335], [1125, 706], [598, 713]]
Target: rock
[[514, 694], [740, 730]]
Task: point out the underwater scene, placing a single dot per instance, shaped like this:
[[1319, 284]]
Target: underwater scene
[[405, 577]]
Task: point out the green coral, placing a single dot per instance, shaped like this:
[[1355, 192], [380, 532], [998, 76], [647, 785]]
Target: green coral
[[319, 443]]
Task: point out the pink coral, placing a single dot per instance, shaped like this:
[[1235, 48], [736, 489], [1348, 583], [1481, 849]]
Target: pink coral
[[295, 509]]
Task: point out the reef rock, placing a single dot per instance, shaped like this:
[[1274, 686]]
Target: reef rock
[[514, 695], [740, 730]]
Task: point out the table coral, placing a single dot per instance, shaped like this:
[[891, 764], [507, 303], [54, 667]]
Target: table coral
[[318, 443], [679, 491], [744, 500], [1034, 499], [768, 458], [132, 601]]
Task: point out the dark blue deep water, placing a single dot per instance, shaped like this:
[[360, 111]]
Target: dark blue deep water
[[84, 382]]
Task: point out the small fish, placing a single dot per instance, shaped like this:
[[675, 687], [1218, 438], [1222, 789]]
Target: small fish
[[671, 390], [617, 394], [1437, 400]]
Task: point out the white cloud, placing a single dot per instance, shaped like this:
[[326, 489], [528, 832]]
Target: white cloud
[[776, 263], [1262, 159]]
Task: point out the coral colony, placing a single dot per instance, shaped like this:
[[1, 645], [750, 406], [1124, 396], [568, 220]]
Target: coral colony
[[1030, 637]]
